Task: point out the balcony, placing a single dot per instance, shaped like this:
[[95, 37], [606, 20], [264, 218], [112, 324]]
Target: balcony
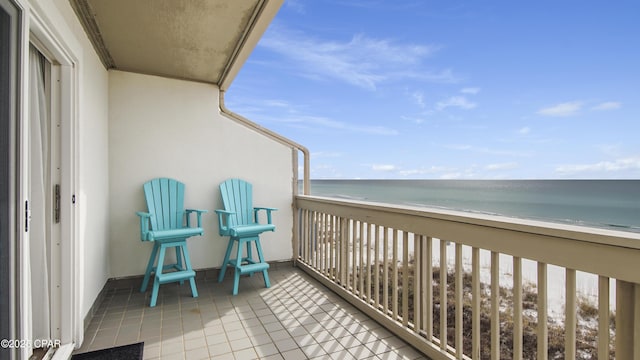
[[334, 303]]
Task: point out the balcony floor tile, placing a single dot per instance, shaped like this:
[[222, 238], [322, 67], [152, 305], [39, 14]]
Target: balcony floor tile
[[297, 318]]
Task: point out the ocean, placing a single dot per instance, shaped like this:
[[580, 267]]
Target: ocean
[[611, 204]]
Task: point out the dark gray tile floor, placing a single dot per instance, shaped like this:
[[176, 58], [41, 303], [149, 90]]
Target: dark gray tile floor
[[297, 318]]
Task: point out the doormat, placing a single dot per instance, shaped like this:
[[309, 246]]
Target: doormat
[[126, 352]]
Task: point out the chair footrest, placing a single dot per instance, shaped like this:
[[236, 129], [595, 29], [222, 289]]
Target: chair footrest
[[251, 268], [175, 276]]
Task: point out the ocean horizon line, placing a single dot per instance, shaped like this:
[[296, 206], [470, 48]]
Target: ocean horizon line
[[601, 203]]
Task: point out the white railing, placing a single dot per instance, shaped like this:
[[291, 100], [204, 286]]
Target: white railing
[[513, 288]]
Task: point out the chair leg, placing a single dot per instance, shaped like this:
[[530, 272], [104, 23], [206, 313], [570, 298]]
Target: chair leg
[[147, 273], [179, 266], [156, 283], [265, 274], [187, 261], [250, 255], [236, 275], [223, 269], [267, 283], [249, 252]]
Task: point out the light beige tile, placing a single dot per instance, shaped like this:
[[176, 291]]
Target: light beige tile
[[267, 349], [240, 344], [213, 329], [248, 354], [236, 334], [295, 318], [305, 340], [267, 319], [176, 356], [216, 339], [313, 351], [280, 335], [190, 344], [349, 341], [286, 345], [201, 353], [231, 326], [322, 336], [228, 356], [172, 348], [295, 354], [260, 339], [219, 349], [332, 346], [360, 352]]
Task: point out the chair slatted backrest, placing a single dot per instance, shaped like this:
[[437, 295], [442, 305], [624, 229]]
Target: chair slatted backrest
[[165, 200], [237, 197]]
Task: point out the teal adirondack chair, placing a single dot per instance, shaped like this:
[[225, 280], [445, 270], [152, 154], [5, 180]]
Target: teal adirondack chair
[[167, 223], [239, 221]]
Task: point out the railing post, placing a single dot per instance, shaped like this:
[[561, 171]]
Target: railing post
[[627, 320], [443, 295], [296, 234], [344, 261]]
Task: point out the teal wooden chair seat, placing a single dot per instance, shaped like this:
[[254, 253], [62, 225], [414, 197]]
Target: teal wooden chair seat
[[250, 230], [172, 234], [239, 221], [168, 225]]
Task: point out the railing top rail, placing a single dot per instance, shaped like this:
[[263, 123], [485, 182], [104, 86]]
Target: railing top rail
[[610, 253], [557, 230]]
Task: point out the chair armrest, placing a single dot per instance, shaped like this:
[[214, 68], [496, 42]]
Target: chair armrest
[[198, 215], [267, 209], [223, 221], [144, 224]]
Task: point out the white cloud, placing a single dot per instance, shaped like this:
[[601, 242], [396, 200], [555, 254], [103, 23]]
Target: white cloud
[[609, 105], [291, 116], [339, 125], [502, 166], [361, 61], [424, 171], [562, 110], [452, 176], [524, 131], [383, 167], [631, 163], [456, 101], [277, 103], [485, 150], [470, 90], [325, 171], [574, 107]]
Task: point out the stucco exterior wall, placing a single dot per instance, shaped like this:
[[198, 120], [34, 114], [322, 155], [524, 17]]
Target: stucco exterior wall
[[162, 127]]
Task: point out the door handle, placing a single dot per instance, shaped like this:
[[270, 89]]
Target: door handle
[[56, 204], [27, 216]]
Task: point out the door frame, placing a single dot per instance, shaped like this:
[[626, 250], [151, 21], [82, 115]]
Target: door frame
[[9, 204], [38, 28]]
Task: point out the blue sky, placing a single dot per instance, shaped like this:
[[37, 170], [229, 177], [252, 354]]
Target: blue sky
[[451, 89]]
